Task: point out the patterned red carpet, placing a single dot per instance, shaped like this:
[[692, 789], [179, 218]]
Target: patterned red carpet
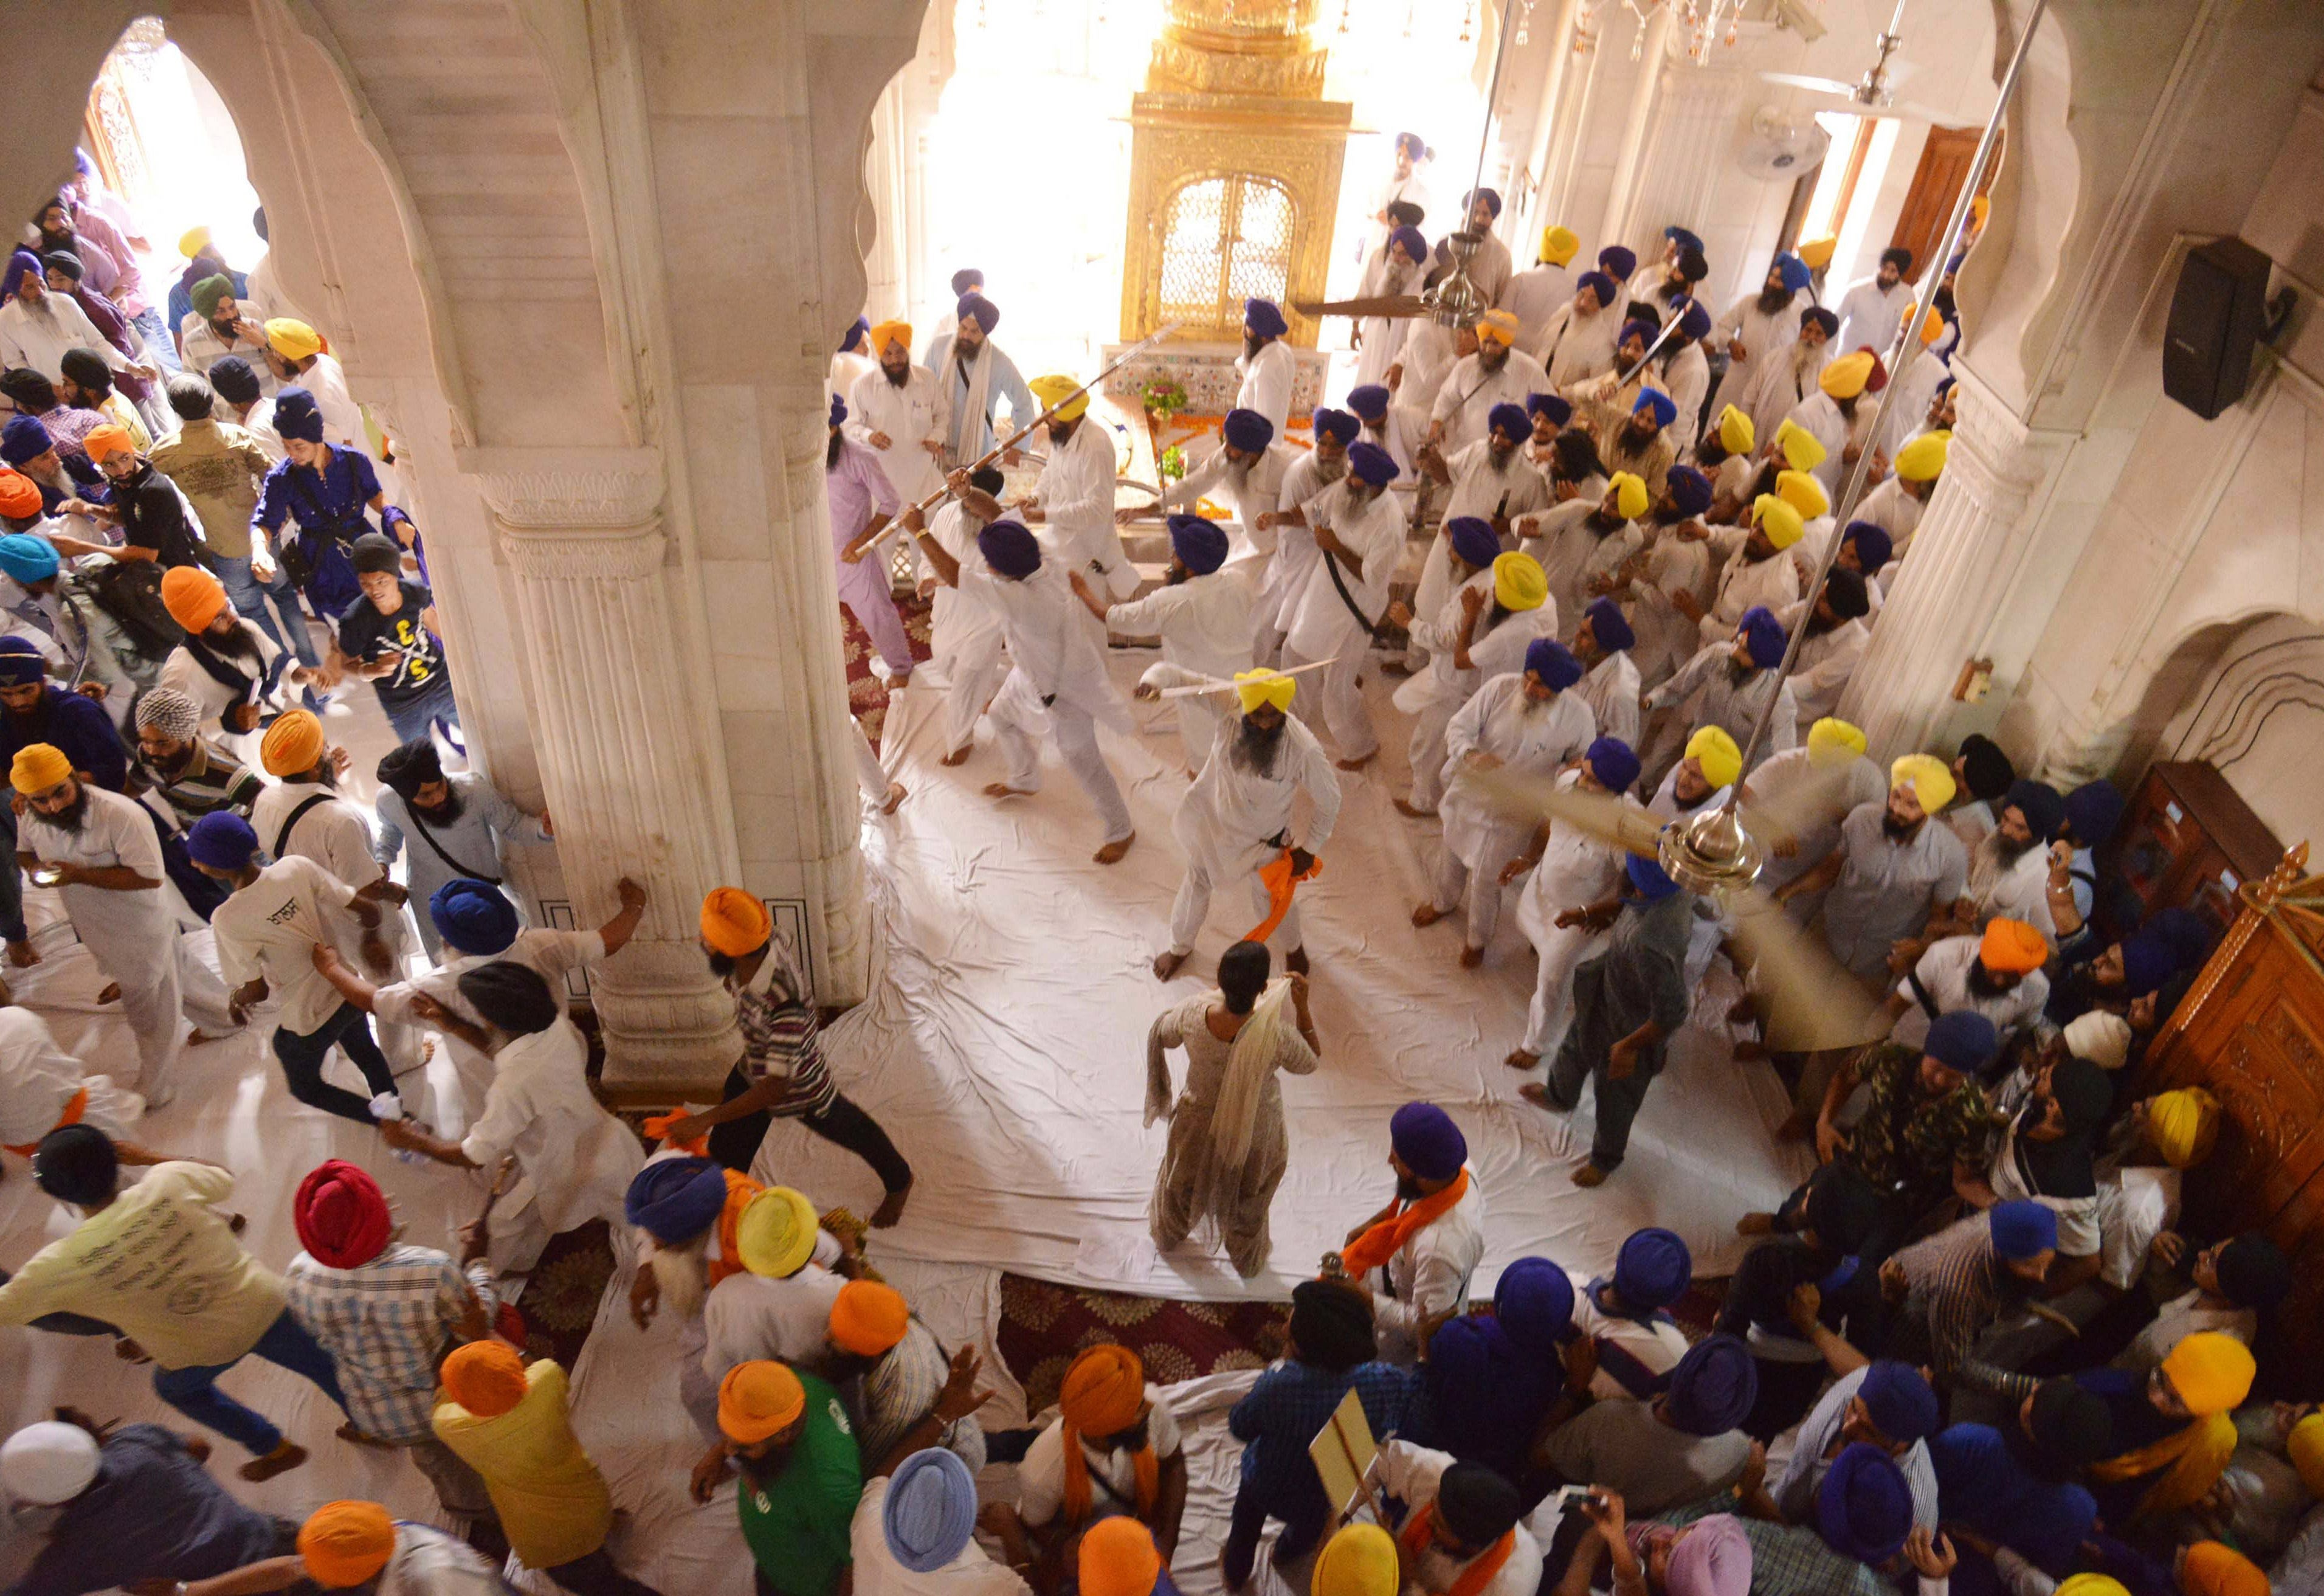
[[867, 695], [1043, 1327], [560, 1296]]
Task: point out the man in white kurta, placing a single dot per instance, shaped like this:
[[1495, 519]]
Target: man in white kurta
[[1803, 794], [1756, 572], [1491, 481], [1497, 374], [1726, 684], [1570, 870], [1788, 373], [1610, 684], [1291, 555], [1426, 1277], [973, 375], [39, 325], [1414, 1476], [1237, 818], [1201, 614], [1072, 504], [1685, 375], [1524, 722], [1833, 647], [1499, 605], [1422, 365], [1872, 310], [105, 859], [1492, 266], [1267, 366], [891, 411], [1245, 473], [1534, 295], [1394, 269], [1758, 324], [965, 643], [1358, 528], [1582, 544], [1577, 342]]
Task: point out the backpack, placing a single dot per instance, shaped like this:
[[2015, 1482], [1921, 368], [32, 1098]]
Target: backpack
[[129, 591]]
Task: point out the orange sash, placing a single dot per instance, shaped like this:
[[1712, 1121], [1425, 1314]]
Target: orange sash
[[1417, 1533], [740, 1190], [1385, 1240], [73, 1111], [1145, 1468]]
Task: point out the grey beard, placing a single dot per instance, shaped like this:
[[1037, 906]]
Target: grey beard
[[1330, 470], [1740, 674], [2001, 852]]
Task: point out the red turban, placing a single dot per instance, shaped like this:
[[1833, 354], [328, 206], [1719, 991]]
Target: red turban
[[341, 1215]]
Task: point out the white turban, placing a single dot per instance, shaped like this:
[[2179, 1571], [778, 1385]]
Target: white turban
[[169, 712], [47, 1463], [2101, 1038]]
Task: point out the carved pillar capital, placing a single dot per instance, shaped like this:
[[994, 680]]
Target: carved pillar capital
[[600, 491]]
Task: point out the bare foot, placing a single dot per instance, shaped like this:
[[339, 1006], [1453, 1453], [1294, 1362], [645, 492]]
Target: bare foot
[[1537, 1094], [1427, 914], [897, 793], [1471, 957], [1755, 1224], [1396, 667], [280, 1460], [891, 1209], [1796, 1127], [896, 684], [348, 1431], [1166, 963], [23, 954], [197, 1035], [958, 756], [237, 1222], [1002, 789], [1357, 764], [1112, 852], [1589, 1175], [1519, 1058], [1296, 960], [1410, 813], [111, 994]]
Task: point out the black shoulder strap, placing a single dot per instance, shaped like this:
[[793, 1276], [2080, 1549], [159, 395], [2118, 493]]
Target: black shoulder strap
[[437, 848], [1332, 567], [1921, 994], [283, 837]]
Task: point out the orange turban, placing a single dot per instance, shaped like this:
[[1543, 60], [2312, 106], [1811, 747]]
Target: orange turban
[[887, 332], [292, 744], [2212, 1569], [1102, 1395], [868, 1318], [1119, 1558], [485, 1377], [193, 597], [20, 495], [2013, 946], [38, 767], [347, 1543], [2211, 1372], [758, 1398], [733, 922], [104, 442]]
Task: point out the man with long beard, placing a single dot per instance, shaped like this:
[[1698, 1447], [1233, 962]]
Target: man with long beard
[[1578, 342], [1726, 684], [2009, 867], [1201, 614], [1237, 818], [1491, 481], [1752, 576], [227, 666], [1270, 369], [1245, 473], [1393, 269], [1497, 374], [34, 711], [1640, 445], [861, 501], [1582, 544], [40, 324], [1358, 533], [1481, 631], [103, 854], [1829, 415], [1072, 502], [1997, 973], [457, 826], [1894, 869], [894, 411], [1757, 325], [972, 374], [1789, 372], [1296, 556]]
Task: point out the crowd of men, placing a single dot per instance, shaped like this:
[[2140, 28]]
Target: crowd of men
[[1976, 1345]]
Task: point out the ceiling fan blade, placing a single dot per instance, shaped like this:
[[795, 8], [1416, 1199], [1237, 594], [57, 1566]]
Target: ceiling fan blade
[[1912, 111], [1820, 85], [1812, 1004], [1377, 304], [1603, 818], [1812, 800]]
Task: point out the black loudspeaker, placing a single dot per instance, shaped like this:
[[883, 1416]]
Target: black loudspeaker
[[2216, 314]]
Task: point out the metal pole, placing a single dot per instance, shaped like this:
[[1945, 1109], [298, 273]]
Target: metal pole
[[1908, 341]]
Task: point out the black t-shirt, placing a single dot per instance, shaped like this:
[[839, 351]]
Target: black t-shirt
[[152, 516], [366, 634]]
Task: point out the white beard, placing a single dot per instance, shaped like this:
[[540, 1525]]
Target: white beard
[[681, 1273]]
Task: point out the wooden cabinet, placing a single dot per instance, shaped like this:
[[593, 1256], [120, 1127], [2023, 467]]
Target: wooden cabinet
[[2186, 839]]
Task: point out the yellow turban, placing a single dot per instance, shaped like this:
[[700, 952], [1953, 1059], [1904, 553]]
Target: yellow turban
[[293, 743], [193, 596], [347, 1543], [2092, 1584], [1845, 378], [292, 340], [1629, 493], [1779, 520], [1736, 433], [2211, 1372], [1923, 458], [758, 1398], [1930, 781], [485, 1377], [38, 767], [1052, 390], [1833, 741], [1816, 252], [1519, 582], [1103, 1391], [733, 922], [2306, 1445], [1979, 208], [2184, 1125], [868, 1317], [1558, 245], [776, 1233], [1255, 687], [2214, 1568], [1498, 325], [1802, 493], [884, 333], [1933, 327], [1711, 748], [1118, 1557], [193, 240], [1801, 448], [1358, 1561]]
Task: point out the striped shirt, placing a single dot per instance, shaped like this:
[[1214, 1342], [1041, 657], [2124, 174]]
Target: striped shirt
[[776, 1012], [387, 1325], [212, 780], [1954, 1289]]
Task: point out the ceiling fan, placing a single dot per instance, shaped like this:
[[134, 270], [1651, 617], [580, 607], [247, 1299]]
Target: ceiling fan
[[1875, 93]]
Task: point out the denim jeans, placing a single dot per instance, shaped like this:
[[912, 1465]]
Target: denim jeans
[[413, 716], [194, 1391], [250, 599], [148, 321], [302, 1063], [12, 881]]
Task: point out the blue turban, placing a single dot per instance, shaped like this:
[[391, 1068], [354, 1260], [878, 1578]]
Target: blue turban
[[1199, 544], [1337, 425], [1009, 549], [2039, 802], [1553, 662], [1637, 328], [1872, 545], [930, 1511], [675, 1200], [1412, 144], [1474, 542], [2147, 962], [1942, 386], [1863, 1508], [1370, 463], [1690, 490], [1415, 242], [854, 335], [2022, 1229], [1600, 285], [1247, 430], [296, 415], [1656, 399], [965, 278], [2182, 929], [474, 917], [1976, 1477], [1491, 198], [1425, 1138], [1265, 317], [1899, 1402], [27, 560], [838, 410], [1647, 877], [2049, 1525], [25, 438], [1796, 275], [1533, 1302], [1683, 238], [1963, 1040], [1509, 419], [1654, 1267], [1713, 1387], [222, 840], [22, 662], [1822, 318], [1609, 625], [1764, 635], [1694, 322], [976, 307], [1617, 262], [1549, 404], [1370, 402], [1613, 764], [2093, 810]]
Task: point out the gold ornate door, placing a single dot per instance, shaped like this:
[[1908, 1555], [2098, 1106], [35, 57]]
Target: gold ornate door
[[1223, 239]]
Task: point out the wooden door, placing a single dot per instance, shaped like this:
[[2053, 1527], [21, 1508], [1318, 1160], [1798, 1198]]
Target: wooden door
[[1936, 186]]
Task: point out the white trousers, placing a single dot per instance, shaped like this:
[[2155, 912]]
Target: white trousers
[[973, 672], [1428, 730], [1478, 890], [1337, 700], [1552, 1008], [1192, 906], [1076, 735]]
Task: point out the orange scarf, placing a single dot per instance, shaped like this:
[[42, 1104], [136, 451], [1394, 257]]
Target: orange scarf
[[1419, 1530], [2190, 1462], [1385, 1240], [71, 1116], [740, 1190], [1144, 1465]]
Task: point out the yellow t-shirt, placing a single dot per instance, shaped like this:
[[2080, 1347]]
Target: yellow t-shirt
[[161, 1268], [553, 1504]]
